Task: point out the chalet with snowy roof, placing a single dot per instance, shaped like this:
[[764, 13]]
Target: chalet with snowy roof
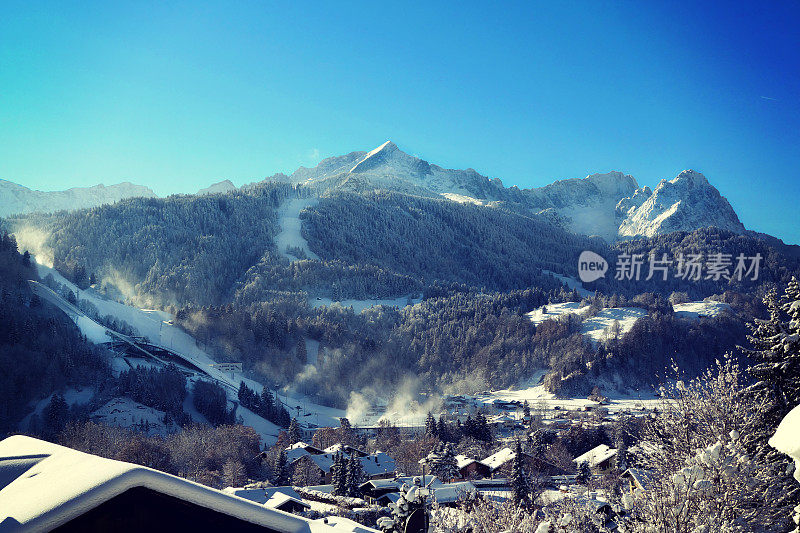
[[638, 478], [299, 449], [599, 459], [380, 491], [500, 463], [261, 495], [44, 487], [452, 494], [469, 468], [288, 504], [375, 466]]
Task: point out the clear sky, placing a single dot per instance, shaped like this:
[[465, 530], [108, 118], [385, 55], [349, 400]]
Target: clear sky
[[177, 96]]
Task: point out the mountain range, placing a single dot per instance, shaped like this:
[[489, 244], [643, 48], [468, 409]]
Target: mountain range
[[610, 205], [18, 199]]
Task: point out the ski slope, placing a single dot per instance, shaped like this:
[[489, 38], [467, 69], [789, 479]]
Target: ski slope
[[156, 326], [291, 226]]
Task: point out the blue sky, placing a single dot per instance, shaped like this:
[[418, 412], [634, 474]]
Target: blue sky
[[176, 96]]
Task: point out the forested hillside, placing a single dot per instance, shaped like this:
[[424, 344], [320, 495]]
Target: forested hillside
[[442, 240], [41, 350], [164, 250], [779, 262], [478, 270]]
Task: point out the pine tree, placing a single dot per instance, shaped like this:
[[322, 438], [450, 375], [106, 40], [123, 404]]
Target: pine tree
[[520, 484], [430, 425], [584, 473], [339, 475], [266, 405], [294, 433], [442, 430], [469, 427], [526, 411], [621, 459], [777, 354], [280, 469], [55, 416], [776, 349], [355, 476], [482, 430], [444, 464]]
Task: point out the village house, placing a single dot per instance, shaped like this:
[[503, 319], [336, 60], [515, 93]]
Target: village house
[[638, 478], [469, 468], [599, 459], [316, 468], [500, 464]]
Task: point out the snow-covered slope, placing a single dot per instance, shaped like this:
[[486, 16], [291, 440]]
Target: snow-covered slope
[[15, 198], [291, 235], [685, 203], [597, 327], [219, 187]]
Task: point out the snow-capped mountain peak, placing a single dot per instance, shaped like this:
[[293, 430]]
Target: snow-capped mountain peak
[[610, 205], [378, 156], [684, 203]]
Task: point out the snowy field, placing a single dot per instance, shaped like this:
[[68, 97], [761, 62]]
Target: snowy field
[[462, 199], [552, 311], [126, 413], [539, 399], [593, 328], [596, 328], [694, 310], [290, 224]]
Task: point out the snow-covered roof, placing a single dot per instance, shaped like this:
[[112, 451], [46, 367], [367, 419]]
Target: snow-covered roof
[[278, 499], [378, 463], [644, 478], [596, 455], [261, 495], [295, 454], [452, 492], [44, 485], [463, 460], [345, 524], [310, 448], [397, 483], [500, 458], [345, 449], [373, 465]]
